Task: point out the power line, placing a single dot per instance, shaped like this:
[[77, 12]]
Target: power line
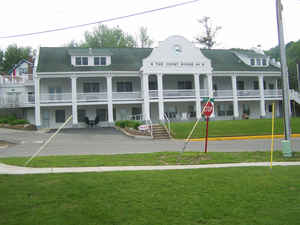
[[101, 21]]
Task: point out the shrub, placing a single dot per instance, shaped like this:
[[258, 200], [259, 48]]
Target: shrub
[[20, 121], [7, 119], [128, 123]]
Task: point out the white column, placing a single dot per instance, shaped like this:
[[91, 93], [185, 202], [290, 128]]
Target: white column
[[145, 86], [37, 102], [109, 99], [74, 101], [160, 96], [235, 97], [262, 96], [210, 90], [197, 94]]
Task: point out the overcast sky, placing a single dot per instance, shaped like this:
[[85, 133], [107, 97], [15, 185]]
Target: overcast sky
[[245, 23]]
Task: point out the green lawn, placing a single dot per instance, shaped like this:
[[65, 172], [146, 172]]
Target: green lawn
[[228, 196], [161, 158], [227, 128]]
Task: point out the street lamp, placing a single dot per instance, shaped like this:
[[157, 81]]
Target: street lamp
[[286, 143]]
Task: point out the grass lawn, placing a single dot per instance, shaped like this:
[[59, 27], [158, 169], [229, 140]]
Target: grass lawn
[[160, 158], [227, 128], [208, 196]]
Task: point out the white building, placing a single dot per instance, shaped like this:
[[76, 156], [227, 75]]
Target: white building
[[171, 79]]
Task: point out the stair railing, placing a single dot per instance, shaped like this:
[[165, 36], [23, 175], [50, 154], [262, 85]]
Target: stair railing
[[168, 128], [150, 126]]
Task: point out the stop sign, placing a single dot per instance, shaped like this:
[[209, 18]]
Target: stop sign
[[208, 109]]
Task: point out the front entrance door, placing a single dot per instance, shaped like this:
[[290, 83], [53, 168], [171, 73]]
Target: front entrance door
[[102, 113], [45, 118]]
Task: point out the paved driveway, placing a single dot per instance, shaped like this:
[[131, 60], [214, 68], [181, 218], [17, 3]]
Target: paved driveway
[[111, 141]]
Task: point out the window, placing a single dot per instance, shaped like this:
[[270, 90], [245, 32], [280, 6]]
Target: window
[[225, 110], [91, 87], [255, 85], [55, 93], [96, 61], [271, 86], [124, 86], [258, 62], [85, 61], [252, 62], [99, 61], [240, 85], [246, 109], [187, 84], [81, 115], [79, 60], [103, 61], [270, 108], [30, 96], [60, 116], [264, 62], [152, 85]]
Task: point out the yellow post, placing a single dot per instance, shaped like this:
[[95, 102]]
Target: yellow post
[[272, 144]]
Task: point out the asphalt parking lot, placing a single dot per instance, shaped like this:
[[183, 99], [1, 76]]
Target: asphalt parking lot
[[111, 141]]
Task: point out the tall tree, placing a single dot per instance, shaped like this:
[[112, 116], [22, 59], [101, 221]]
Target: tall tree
[[1, 59], [103, 36], [293, 57], [13, 54], [144, 38], [208, 32]]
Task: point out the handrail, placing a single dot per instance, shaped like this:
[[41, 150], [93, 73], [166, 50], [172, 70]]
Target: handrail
[[169, 124], [149, 124]]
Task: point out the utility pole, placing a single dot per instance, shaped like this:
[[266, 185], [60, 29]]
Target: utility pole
[[286, 143]]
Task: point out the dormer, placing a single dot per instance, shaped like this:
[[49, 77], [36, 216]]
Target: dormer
[[252, 58], [90, 57]]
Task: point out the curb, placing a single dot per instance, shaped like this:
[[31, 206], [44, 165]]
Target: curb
[[243, 137]]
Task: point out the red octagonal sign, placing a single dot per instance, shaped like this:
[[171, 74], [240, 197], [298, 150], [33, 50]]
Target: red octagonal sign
[[208, 109]]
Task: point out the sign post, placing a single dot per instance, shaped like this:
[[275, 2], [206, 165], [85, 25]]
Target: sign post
[[207, 111]]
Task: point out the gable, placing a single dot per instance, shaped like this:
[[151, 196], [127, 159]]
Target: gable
[[176, 55]]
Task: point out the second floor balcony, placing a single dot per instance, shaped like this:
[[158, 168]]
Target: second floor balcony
[[23, 100]]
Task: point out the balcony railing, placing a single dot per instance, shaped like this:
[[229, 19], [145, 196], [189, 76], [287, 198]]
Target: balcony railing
[[15, 100], [248, 93], [273, 93], [92, 97], [20, 79], [56, 98], [153, 94], [179, 93], [223, 94], [127, 95]]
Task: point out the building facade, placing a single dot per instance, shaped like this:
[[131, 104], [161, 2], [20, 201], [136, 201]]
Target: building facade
[[142, 83]]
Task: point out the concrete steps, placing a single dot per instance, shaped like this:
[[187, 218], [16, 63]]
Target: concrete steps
[[159, 132]]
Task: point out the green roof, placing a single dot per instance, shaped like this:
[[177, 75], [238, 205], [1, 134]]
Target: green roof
[[227, 60], [58, 59], [122, 59]]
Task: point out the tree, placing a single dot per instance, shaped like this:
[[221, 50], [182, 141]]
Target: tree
[[209, 31], [144, 39], [13, 54], [103, 36], [293, 57], [1, 59]]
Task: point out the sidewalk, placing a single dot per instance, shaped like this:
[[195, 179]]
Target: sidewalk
[[7, 169]]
